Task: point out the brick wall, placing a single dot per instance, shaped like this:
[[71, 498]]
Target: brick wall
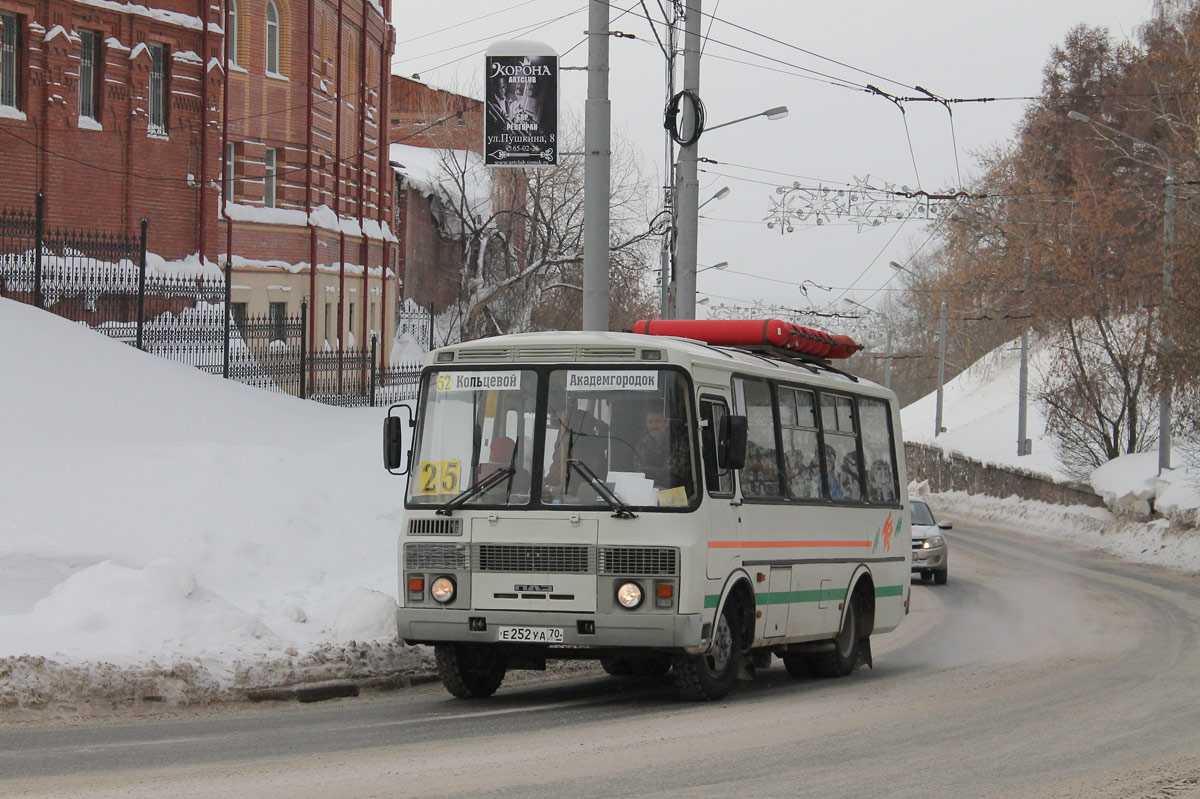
[[107, 176]]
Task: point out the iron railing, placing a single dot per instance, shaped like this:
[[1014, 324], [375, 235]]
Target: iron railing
[[101, 280]]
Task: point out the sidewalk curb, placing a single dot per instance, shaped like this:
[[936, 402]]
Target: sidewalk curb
[[335, 689]]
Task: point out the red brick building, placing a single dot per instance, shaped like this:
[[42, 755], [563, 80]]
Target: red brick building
[[269, 153], [424, 120]]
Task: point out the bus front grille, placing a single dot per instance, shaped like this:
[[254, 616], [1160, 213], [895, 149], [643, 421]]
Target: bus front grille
[[435, 526], [533, 558], [450, 557], [639, 560]]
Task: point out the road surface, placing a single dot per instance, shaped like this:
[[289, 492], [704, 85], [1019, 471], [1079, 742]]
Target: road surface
[[1036, 672]]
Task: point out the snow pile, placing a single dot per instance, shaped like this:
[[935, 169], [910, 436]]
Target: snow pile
[[979, 413], [1156, 543], [164, 526]]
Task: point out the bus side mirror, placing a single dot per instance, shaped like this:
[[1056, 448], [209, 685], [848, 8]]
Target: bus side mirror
[[731, 451], [393, 439]]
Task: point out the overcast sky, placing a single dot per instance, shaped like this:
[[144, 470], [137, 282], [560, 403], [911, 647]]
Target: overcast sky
[[833, 134]]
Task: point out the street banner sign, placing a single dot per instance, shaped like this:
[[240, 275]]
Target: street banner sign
[[520, 125]]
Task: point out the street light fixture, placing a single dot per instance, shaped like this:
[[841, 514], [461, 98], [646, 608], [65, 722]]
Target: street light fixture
[[721, 194], [779, 112], [1164, 397], [937, 421], [887, 365], [720, 265]]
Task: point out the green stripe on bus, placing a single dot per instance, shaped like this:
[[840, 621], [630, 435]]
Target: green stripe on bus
[[790, 597]]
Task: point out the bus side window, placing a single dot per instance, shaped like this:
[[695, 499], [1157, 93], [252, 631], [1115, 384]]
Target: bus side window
[[843, 478], [798, 423], [712, 412], [878, 453], [760, 476]]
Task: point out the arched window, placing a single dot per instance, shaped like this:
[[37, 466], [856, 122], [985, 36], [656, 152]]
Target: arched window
[[272, 37], [231, 31]]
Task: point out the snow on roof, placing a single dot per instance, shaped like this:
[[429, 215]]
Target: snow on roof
[[434, 171]]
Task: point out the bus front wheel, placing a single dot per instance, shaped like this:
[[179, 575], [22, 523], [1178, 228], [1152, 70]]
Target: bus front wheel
[[711, 675], [470, 672]]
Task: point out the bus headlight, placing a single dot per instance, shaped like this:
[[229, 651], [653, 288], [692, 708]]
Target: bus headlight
[[442, 589], [629, 595]]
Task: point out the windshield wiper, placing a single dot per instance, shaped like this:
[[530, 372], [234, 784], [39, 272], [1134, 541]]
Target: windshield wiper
[[620, 509], [475, 490]]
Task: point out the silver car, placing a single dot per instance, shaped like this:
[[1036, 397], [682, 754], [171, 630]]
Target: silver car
[[930, 555]]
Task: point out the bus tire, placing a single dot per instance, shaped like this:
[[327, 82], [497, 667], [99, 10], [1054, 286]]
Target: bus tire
[[711, 676], [844, 657], [470, 672]]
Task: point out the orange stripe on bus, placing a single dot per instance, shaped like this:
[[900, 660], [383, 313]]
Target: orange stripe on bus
[[781, 544]]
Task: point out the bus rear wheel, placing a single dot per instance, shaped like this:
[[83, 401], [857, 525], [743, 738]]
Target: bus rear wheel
[[711, 675], [470, 672], [844, 657]]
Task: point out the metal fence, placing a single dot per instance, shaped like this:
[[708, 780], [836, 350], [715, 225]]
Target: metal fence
[[101, 281]]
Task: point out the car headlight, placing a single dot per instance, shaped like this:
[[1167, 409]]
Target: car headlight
[[933, 542], [629, 595], [442, 589]]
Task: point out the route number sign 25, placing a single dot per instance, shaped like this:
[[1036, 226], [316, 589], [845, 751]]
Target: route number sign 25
[[438, 477]]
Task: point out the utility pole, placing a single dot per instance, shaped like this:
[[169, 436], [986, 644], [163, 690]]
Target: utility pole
[[665, 298], [1023, 382], [597, 145], [937, 431], [687, 184]]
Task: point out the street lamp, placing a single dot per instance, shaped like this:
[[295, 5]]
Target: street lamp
[[721, 194], [687, 194], [720, 265], [1164, 397], [779, 112], [887, 365], [937, 421]]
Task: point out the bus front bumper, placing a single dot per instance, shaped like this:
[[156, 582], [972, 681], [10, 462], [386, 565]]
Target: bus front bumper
[[654, 630]]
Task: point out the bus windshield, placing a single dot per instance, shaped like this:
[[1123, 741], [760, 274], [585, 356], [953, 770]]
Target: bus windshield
[[629, 428], [474, 424]]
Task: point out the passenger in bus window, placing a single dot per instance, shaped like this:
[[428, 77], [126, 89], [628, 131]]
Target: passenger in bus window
[[883, 488], [849, 476], [835, 486]]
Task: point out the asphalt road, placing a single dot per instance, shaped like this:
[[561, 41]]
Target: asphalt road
[[1035, 672]]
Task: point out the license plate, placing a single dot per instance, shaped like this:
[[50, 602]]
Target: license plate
[[530, 635]]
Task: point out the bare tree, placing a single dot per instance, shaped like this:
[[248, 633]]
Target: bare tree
[[520, 236]]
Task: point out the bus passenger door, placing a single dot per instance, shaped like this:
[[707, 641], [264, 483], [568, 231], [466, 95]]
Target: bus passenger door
[[723, 508]]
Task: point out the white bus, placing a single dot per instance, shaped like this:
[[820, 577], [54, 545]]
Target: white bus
[[656, 503]]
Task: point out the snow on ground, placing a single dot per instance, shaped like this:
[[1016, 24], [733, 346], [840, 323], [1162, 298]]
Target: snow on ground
[[169, 534], [980, 409]]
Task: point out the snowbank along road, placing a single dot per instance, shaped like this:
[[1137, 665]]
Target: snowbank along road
[[1035, 673]]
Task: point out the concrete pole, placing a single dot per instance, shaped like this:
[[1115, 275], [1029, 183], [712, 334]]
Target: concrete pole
[[687, 184], [665, 300], [597, 145], [887, 365], [1023, 380], [937, 431], [1164, 398]]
